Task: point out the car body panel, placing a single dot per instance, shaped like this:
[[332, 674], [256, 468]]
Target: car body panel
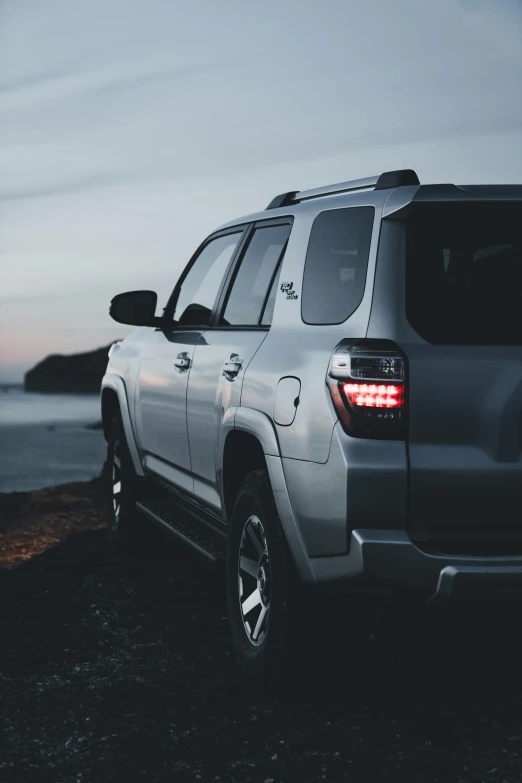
[[210, 395], [304, 350], [160, 404], [363, 484]]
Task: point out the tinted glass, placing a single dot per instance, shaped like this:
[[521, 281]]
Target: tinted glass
[[252, 282], [464, 276], [200, 287], [336, 264]]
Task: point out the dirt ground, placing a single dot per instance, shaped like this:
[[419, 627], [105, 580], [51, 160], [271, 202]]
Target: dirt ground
[[118, 668]]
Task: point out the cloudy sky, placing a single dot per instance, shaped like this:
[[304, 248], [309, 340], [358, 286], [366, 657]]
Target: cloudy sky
[[130, 129]]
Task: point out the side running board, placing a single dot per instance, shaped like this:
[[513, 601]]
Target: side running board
[[184, 520]]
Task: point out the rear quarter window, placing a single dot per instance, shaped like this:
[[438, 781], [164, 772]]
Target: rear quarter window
[[336, 264]]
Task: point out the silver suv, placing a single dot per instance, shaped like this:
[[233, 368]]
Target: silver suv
[[332, 395]]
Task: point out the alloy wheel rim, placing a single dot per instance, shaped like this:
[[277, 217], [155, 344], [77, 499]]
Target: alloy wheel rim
[[116, 481], [254, 583]]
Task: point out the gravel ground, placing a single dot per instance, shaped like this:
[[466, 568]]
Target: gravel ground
[[119, 668]]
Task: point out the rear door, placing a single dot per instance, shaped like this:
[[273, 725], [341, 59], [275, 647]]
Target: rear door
[[464, 299], [222, 356]]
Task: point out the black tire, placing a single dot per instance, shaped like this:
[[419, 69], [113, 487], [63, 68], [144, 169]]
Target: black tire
[[125, 528], [267, 656]]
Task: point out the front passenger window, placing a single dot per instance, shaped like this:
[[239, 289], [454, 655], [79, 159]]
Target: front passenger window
[[200, 287]]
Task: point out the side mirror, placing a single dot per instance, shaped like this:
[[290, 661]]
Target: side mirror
[[136, 308]]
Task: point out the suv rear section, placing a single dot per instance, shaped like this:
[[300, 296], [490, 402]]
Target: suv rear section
[[458, 279], [408, 461]]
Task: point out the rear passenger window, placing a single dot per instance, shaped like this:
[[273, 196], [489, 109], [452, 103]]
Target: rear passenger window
[[336, 264], [254, 279]]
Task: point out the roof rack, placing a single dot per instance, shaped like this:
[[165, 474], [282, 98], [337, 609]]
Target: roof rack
[[389, 179]]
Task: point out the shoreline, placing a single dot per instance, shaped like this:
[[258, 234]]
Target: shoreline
[[35, 520], [82, 423]]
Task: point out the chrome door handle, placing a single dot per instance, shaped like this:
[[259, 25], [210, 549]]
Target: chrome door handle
[[232, 367], [182, 361]]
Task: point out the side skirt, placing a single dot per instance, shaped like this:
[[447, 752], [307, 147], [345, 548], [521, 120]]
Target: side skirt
[[201, 530]]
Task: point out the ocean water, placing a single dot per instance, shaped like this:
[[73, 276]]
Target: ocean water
[[45, 439], [19, 407]]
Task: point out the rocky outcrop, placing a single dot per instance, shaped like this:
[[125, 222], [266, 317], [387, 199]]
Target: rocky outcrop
[[79, 373]]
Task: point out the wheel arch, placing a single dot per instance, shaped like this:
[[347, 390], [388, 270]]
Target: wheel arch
[[114, 400], [110, 407], [252, 433], [242, 454]]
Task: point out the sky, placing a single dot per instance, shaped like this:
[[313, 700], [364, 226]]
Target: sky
[[131, 129]]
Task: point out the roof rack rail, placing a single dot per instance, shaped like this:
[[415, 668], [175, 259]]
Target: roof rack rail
[[283, 200], [389, 179]]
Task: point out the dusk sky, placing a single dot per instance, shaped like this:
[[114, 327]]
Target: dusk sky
[[130, 129]]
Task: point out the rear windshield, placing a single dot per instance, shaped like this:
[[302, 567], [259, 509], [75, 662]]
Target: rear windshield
[[464, 276]]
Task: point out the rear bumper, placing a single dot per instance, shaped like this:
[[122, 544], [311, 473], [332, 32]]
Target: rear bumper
[[390, 558]]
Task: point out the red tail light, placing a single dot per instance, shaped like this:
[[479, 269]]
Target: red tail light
[[370, 395], [366, 379]]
